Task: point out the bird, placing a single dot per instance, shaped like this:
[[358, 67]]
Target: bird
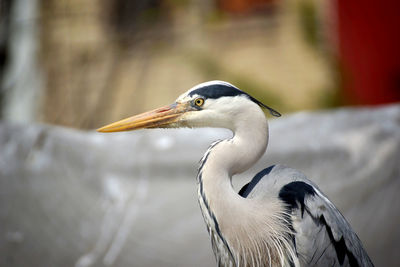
[[280, 217]]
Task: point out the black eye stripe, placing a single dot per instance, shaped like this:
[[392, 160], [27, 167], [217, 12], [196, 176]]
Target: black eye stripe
[[215, 91]]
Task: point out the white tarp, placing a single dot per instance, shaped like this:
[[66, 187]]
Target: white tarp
[[74, 198]]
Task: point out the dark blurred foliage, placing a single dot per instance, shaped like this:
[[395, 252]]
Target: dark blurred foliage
[[309, 22], [5, 8], [129, 20]]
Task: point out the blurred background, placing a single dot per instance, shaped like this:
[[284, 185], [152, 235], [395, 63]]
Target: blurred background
[[72, 197], [85, 63]]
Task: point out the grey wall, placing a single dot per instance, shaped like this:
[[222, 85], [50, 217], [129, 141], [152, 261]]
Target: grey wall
[[73, 198]]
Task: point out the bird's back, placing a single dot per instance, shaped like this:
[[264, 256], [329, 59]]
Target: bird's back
[[322, 236]]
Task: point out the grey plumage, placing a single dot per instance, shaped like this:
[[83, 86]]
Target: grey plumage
[[322, 235]]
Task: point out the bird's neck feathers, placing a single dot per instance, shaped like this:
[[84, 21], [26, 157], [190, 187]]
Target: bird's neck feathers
[[237, 154], [241, 221], [248, 144]]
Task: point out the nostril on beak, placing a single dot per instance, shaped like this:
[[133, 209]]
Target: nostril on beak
[[163, 110]]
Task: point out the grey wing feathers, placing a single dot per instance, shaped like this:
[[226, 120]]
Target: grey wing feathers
[[322, 237]]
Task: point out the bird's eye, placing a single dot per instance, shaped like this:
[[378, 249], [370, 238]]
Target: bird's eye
[[199, 101]]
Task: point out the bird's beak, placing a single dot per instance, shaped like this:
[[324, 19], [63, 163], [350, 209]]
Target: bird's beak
[[164, 117]]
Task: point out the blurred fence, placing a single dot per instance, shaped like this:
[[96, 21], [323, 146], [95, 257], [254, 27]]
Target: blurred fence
[[97, 61]]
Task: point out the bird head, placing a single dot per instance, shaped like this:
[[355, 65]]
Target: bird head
[[209, 104]]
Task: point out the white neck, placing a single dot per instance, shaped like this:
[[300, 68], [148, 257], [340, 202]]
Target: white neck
[[233, 156], [227, 158], [236, 155], [241, 221]]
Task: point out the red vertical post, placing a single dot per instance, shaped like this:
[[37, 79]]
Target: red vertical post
[[369, 48]]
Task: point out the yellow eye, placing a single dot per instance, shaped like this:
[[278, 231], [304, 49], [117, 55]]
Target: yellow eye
[[199, 101]]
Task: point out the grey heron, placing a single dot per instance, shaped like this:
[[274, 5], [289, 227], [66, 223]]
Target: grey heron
[[280, 218]]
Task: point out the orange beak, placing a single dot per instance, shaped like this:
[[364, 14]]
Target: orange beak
[[164, 117]]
